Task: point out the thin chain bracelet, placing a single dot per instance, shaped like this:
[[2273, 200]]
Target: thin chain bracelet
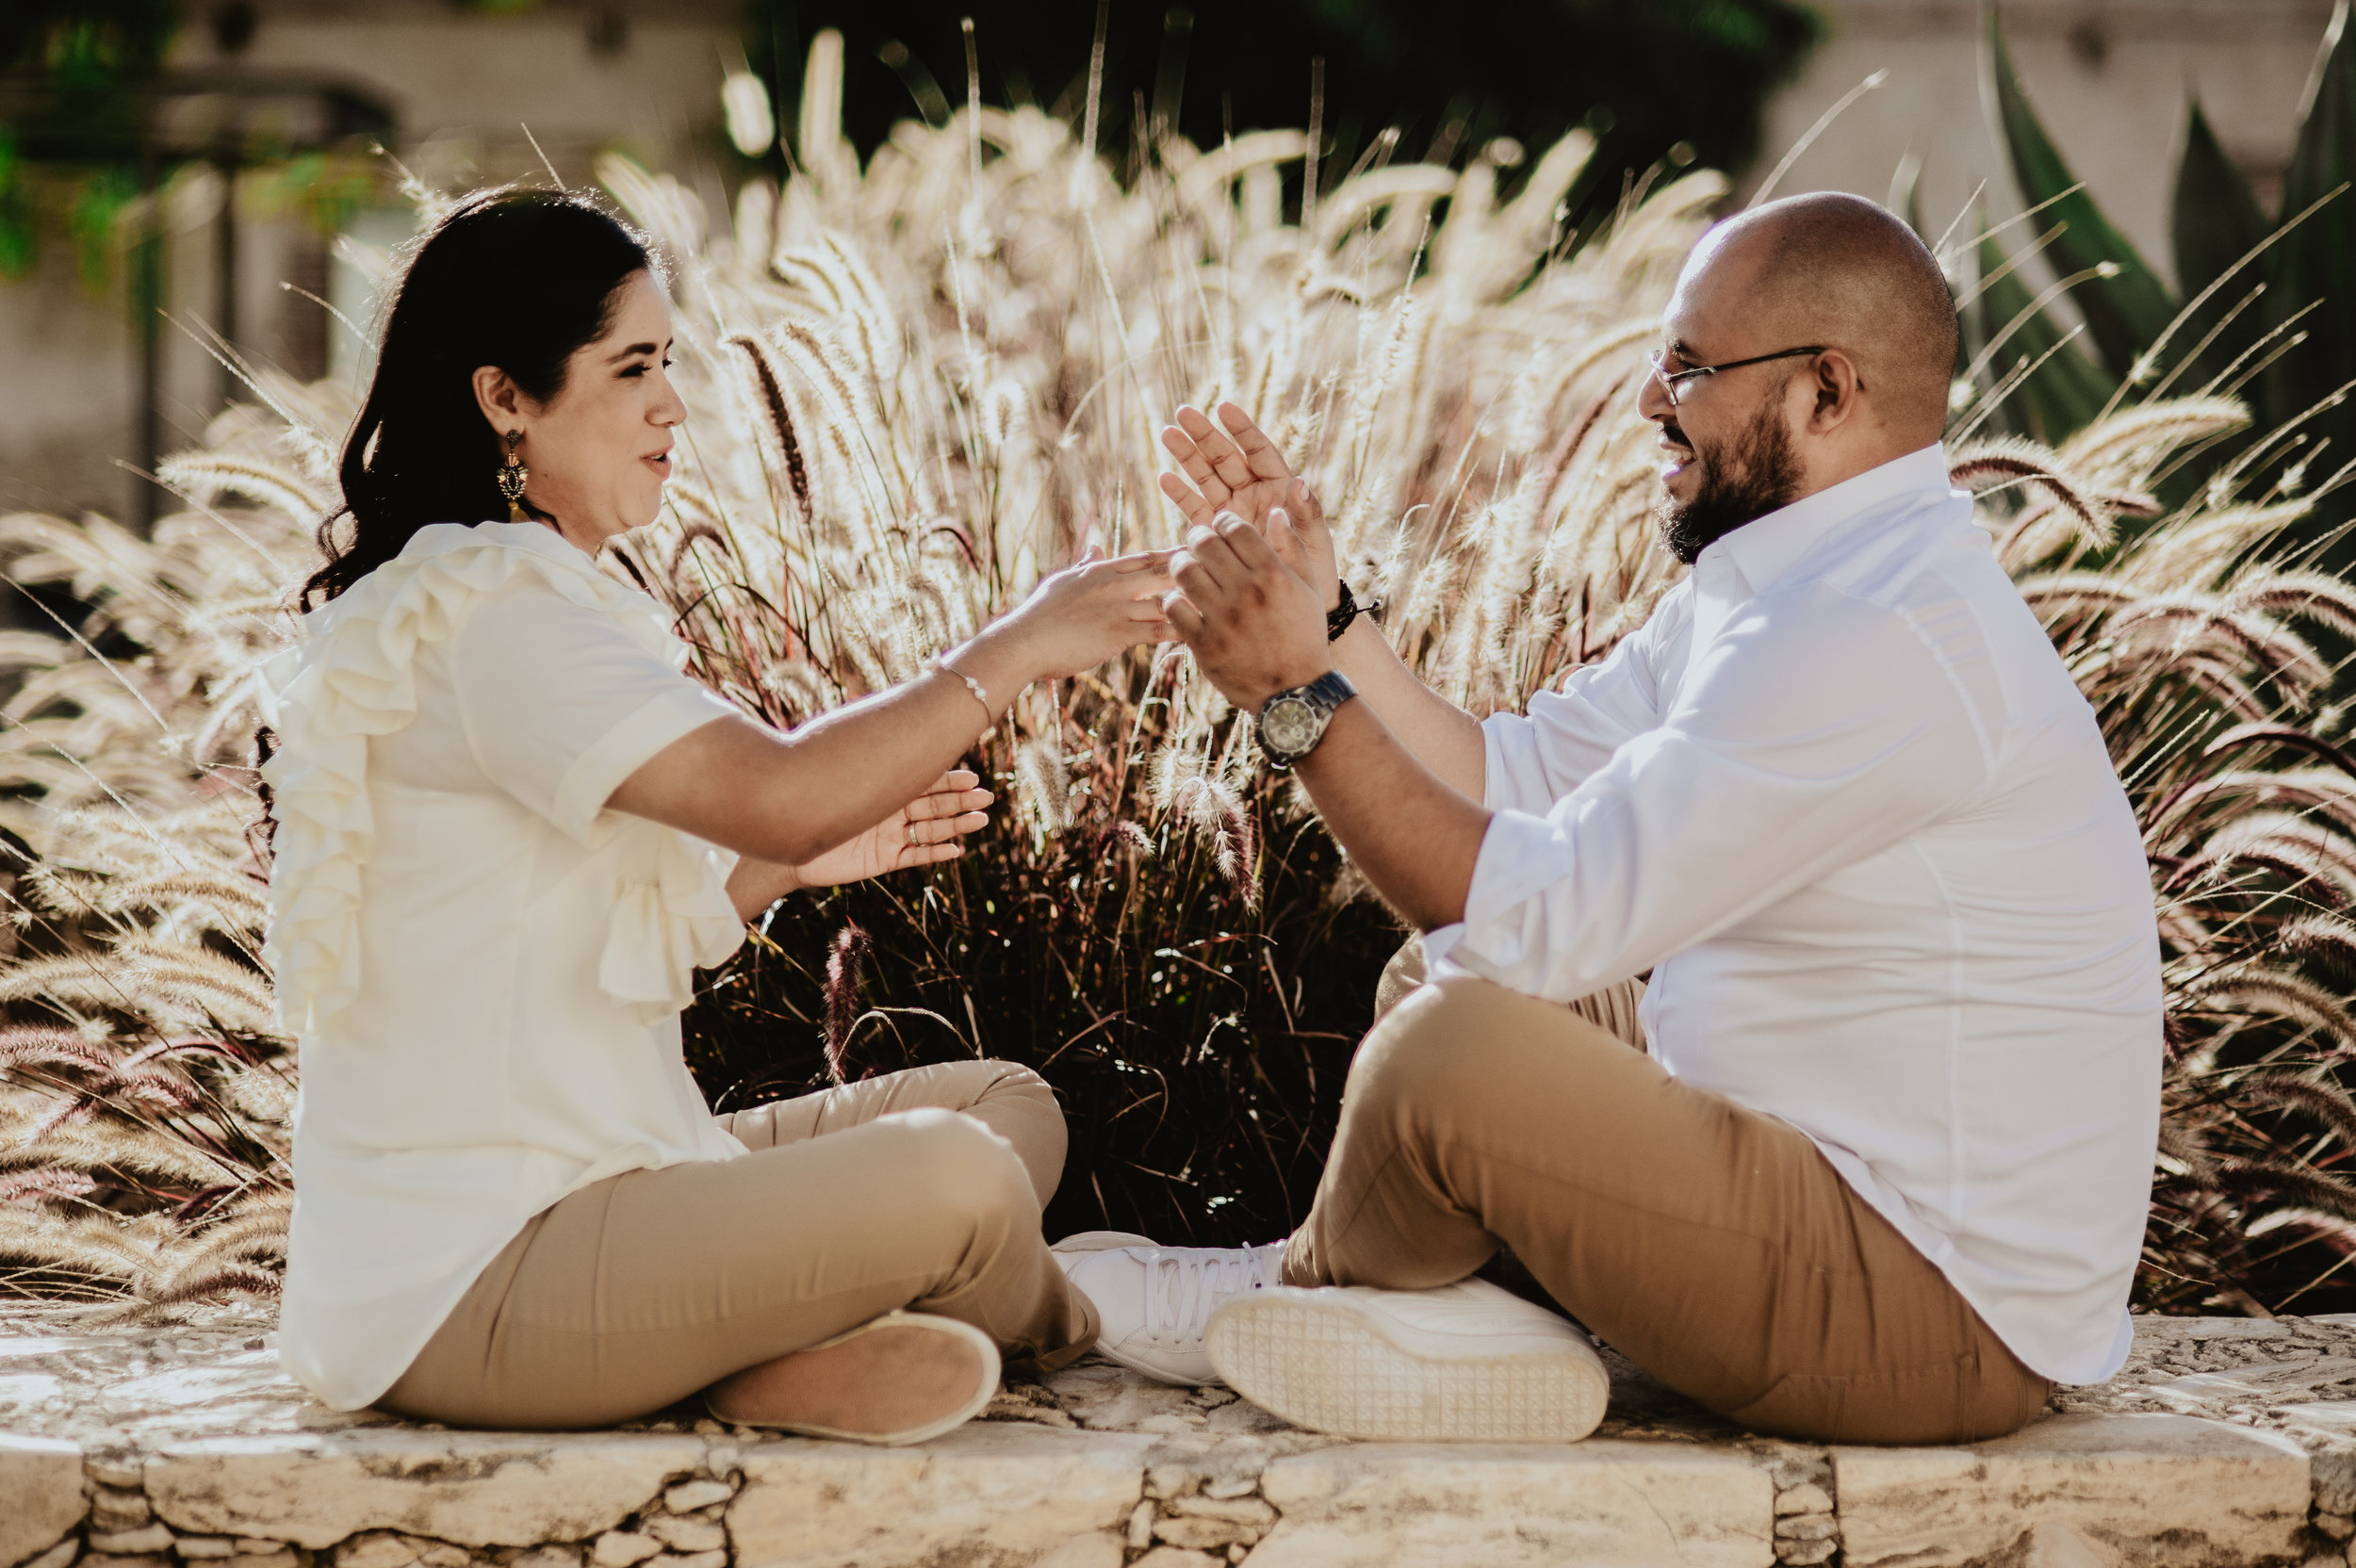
[[938, 662]]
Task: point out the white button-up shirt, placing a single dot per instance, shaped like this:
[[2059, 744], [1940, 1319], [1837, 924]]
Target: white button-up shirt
[[1840, 797]]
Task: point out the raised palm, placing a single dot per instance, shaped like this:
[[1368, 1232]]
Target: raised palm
[[921, 833], [1240, 470]]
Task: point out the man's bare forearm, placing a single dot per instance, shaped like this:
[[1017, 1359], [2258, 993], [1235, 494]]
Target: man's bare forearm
[[1440, 735], [1416, 836]]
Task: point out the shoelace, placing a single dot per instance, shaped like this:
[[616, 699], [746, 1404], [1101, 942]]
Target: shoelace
[[1183, 1285]]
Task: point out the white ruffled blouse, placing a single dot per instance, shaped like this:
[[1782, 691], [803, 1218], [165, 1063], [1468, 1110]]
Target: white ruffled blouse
[[483, 965]]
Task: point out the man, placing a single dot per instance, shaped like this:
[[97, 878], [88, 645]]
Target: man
[[1882, 1176]]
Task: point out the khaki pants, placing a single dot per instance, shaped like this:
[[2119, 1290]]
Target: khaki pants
[[919, 1189], [1713, 1246]]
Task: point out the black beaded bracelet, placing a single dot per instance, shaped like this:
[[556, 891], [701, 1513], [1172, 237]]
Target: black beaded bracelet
[[1338, 618]]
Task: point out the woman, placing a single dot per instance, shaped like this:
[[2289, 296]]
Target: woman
[[507, 828]]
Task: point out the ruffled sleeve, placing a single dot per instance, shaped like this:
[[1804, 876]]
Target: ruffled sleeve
[[663, 931], [350, 678]]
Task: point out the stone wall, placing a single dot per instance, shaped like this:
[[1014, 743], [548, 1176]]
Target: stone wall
[[187, 1448]]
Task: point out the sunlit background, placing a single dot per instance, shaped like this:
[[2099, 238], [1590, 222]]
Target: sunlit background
[[178, 178]]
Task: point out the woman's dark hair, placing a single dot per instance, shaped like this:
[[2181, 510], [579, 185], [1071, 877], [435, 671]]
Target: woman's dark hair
[[515, 278]]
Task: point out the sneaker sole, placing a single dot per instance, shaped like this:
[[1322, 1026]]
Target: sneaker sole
[[1330, 1368]]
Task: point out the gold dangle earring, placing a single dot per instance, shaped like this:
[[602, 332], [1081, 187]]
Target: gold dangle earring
[[511, 476]]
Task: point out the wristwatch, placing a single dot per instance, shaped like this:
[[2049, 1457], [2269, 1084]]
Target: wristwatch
[[1292, 723]]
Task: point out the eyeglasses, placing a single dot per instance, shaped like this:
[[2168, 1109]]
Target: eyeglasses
[[1671, 380]]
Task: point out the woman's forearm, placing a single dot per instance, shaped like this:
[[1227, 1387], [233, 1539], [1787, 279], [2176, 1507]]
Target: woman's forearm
[[755, 885], [787, 798]]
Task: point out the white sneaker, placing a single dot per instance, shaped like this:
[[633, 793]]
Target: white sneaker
[[1468, 1362], [1155, 1301]]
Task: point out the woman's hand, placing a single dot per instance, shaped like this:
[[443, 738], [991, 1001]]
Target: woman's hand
[[1240, 471], [1089, 612], [921, 833]]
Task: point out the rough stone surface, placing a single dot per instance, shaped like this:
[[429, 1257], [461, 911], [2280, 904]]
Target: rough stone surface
[[1101, 1549], [1810, 1498], [113, 1509], [1442, 1506], [42, 1479], [1005, 1493], [378, 1549], [548, 1557], [622, 1548], [137, 1542], [687, 1533], [687, 1496], [1095, 1467], [2152, 1489], [479, 1488]]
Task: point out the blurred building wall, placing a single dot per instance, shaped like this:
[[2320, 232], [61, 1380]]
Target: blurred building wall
[[641, 76], [2109, 78]]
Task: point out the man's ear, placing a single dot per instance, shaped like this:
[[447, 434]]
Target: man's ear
[[1838, 391], [501, 400]]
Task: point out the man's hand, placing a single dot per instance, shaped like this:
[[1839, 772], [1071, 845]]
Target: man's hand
[[1240, 471], [921, 833], [1253, 626]]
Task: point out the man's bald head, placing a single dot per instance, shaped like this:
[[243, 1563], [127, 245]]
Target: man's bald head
[[1848, 273]]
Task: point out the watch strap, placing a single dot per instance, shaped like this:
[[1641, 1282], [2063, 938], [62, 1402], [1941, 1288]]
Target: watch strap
[[1338, 618]]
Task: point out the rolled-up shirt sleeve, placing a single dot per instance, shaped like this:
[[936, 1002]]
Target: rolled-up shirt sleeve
[[1783, 758]]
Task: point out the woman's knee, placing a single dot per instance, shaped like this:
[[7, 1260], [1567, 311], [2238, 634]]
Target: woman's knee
[[956, 1162]]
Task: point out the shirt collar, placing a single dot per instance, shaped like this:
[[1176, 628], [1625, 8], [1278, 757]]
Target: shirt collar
[[1765, 547]]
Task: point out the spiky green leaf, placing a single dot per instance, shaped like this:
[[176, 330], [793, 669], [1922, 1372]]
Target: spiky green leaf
[[2317, 261], [2065, 391], [2125, 313], [2213, 222]]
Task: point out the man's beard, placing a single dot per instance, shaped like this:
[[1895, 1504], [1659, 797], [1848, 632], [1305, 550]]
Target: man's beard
[[1750, 476]]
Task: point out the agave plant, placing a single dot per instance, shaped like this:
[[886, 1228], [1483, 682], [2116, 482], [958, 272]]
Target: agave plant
[[920, 384], [2259, 310]]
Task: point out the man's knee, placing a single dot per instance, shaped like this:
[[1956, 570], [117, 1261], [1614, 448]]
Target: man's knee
[[1464, 1038], [1430, 1045]]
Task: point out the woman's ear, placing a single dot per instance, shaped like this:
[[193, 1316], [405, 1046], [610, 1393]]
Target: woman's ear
[[500, 399]]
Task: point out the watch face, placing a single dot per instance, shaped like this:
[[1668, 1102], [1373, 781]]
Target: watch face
[[1289, 727]]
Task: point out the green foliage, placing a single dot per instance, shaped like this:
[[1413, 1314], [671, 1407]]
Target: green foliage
[[92, 220], [2125, 311], [2215, 230], [20, 237], [2264, 304]]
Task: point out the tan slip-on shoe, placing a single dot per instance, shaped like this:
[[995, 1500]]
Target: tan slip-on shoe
[[1466, 1362], [917, 1374]]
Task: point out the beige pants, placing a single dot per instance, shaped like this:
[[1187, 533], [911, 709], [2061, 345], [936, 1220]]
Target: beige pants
[[919, 1190], [1710, 1244]]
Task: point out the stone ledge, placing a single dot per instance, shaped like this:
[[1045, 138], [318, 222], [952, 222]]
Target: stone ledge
[[2222, 1446]]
